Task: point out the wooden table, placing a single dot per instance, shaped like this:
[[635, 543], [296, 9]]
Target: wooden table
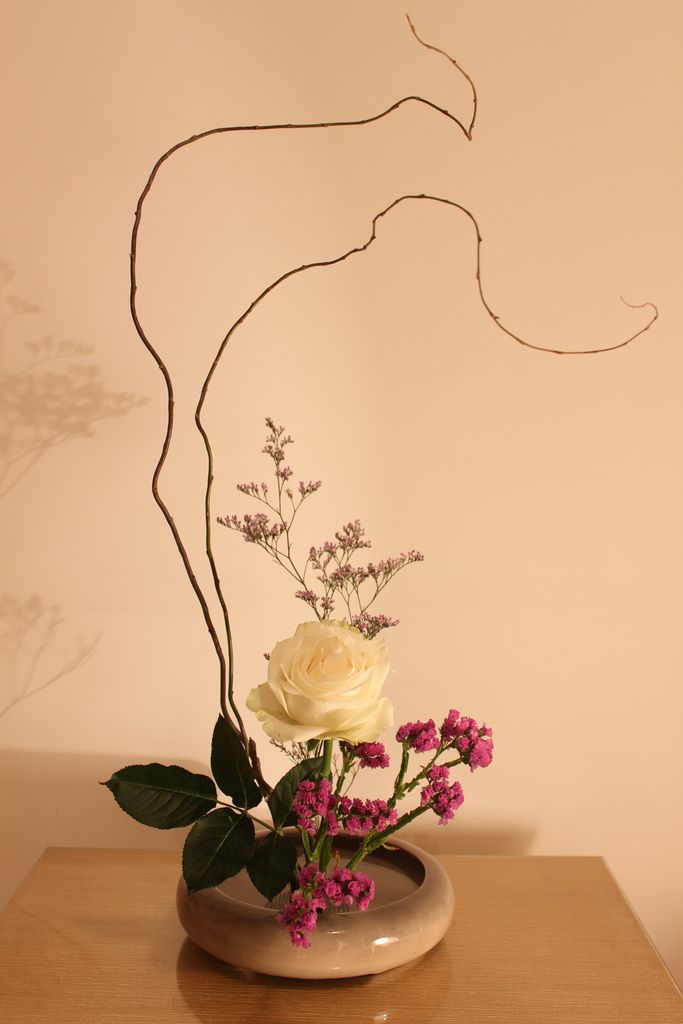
[[92, 936]]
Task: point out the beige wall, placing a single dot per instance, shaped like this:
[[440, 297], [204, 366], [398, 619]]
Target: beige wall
[[545, 492]]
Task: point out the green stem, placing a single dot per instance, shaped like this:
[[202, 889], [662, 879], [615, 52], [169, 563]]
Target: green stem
[[315, 851], [401, 788], [361, 852], [347, 759], [373, 843], [398, 784], [326, 770], [325, 853], [241, 810], [322, 849]]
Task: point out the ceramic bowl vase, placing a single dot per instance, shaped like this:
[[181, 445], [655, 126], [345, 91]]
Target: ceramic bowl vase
[[411, 912]]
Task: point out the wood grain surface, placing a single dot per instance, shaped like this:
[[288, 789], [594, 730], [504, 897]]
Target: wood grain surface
[[92, 936]]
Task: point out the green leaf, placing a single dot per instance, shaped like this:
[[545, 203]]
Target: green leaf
[[219, 845], [163, 796], [273, 864], [231, 768], [281, 799]]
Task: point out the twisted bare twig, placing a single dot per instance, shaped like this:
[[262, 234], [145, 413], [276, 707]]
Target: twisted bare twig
[[428, 46], [226, 666]]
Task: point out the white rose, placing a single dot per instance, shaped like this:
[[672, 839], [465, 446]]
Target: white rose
[[323, 683]]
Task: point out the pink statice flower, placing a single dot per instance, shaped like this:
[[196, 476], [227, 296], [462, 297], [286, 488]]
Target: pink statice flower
[[300, 916], [481, 753], [312, 800], [316, 892], [372, 755], [349, 888], [420, 736], [444, 798], [474, 742], [360, 817]]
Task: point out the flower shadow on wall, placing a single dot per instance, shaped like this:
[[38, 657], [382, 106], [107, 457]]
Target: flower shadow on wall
[[30, 652], [50, 393]]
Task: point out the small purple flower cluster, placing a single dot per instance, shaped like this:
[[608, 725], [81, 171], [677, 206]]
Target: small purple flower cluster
[[420, 736], [372, 755], [474, 742], [359, 817], [443, 798], [350, 538], [338, 576], [301, 916], [314, 799], [256, 529], [346, 574], [310, 488], [337, 580], [275, 448], [316, 892], [371, 625], [389, 566], [254, 490], [349, 888]]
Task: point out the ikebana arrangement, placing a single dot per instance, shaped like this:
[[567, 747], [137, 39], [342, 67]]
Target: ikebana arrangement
[[322, 701], [322, 704]]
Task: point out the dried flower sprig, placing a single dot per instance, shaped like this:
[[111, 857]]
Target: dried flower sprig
[[337, 579]]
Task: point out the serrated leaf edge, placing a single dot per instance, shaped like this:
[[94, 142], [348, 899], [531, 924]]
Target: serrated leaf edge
[[116, 778], [246, 804], [272, 838], [239, 818]]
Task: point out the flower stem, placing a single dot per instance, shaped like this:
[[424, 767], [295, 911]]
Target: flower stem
[[322, 847], [326, 769], [248, 814], [373, 842], [398, 784], [325, 853], [347, 759]]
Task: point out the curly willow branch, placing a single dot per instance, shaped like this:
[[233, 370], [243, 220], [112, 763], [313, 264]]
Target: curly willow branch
[[226, 665], [428, 46]]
